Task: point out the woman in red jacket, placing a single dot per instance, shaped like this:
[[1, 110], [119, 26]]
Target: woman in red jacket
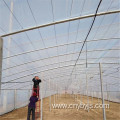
[[31, 106]]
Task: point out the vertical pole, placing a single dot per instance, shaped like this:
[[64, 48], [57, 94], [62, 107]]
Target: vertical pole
[[58, 93], [10, 37], [98, 97], [54, 92], [65, 92], [102, 95], [29, 94], [77, 97], [107, 92], [80, 96], [92, 95], [5, 100], [15, 93], [41, 100], [87, 79], [87, 91], [1, 54], [54, 98], [80, 91], [50, 96]]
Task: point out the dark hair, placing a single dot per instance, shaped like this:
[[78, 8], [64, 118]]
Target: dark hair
[[36, 76]]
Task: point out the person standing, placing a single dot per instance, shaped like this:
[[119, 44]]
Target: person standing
[[31, 107], [36, 81]]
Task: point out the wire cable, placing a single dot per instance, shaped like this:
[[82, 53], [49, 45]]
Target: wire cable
[[86, 36]]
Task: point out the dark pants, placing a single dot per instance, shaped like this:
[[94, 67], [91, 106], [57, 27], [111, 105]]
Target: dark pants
[[31, 109]]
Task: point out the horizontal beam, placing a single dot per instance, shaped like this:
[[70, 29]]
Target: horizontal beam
[[81, 78], [59, 76], [53, 69], [50, 90], [28, 83], [59, 56], [62, 21], [32, 51], [58, 63]]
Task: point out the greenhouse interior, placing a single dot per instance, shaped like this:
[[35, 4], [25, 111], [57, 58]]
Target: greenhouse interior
[[59, 59]]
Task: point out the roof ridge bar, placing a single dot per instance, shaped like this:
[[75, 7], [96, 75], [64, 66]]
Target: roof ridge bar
[[62, 21]]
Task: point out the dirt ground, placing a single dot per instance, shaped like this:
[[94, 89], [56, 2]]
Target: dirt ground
[[112, 113]]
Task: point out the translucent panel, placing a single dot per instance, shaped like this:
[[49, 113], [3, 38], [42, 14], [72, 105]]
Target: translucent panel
[[65, 51]]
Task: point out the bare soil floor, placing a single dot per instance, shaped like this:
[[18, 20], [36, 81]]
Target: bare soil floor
[[112, 113]]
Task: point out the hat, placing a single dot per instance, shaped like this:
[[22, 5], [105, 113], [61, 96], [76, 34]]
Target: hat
[[34, 94]]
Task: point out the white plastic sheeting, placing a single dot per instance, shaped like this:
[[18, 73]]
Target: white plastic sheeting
[[52, 52]]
